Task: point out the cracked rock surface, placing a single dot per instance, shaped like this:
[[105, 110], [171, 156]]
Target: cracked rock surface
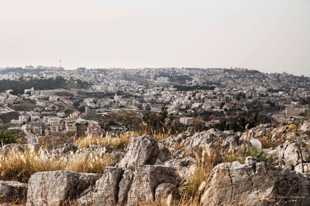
[[242, 185]]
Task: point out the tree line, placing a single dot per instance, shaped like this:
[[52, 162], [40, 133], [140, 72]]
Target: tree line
[[18, 86]]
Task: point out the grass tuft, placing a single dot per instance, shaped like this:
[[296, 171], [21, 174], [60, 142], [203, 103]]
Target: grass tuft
[[191, 190]]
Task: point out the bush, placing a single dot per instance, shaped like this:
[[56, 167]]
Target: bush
[[240, 156], [7, 137]]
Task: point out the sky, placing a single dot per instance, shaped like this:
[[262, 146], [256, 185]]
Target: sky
[[267, 35]]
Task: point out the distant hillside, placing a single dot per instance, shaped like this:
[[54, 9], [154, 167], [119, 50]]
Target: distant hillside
[[218, 77], [18, 86]]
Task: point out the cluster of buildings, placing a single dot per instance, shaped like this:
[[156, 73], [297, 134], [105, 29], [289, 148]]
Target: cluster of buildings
[[211, 96]]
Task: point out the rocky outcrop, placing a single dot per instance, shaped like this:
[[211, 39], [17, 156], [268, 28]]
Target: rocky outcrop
[[149, 171], [202, 138], [166, 193], [146, 181], [105, 191], [127, 187], [255, 185], [56, 188], [12, 191], [116, 186], [141, 151], [291, 154], [256, 132], [211, 141], [135, 179], [185, 167]]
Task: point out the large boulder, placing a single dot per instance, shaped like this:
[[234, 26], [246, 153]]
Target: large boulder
[[146, 180], [211, 141], [291, 154], [130, 188], [105, 191], [57, 188], [12, 192], [233, 184], [201, 138], [141, 151]]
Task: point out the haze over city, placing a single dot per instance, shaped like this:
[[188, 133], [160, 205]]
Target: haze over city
[[270, 36]]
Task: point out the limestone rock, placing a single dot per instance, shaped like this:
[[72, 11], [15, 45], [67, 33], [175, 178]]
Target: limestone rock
[[292, 154], [141, 151], [56, 188], [211, 140], [166, 193], [163, 154], [244, 185], [129, 188], [12, 191], [185, 167], [201, 138], [105, 191], [305, 127], [303, 168], [146, 180], [124, 186]]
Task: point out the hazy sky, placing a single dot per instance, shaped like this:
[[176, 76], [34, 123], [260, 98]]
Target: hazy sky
[[269, 35]]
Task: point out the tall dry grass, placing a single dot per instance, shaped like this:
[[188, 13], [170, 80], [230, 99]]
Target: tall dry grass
[[118, 142], [193, 186], [90, 163], [21, 165]]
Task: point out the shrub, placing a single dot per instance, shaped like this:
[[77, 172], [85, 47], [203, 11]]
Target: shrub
[[240, 156], [7, 137]]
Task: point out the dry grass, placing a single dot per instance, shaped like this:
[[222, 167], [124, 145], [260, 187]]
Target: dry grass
[[273, 139], [90, 163], [21, 165], [115, 142], [161, 135], [191, 190], [269, 142], [120, 141]]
